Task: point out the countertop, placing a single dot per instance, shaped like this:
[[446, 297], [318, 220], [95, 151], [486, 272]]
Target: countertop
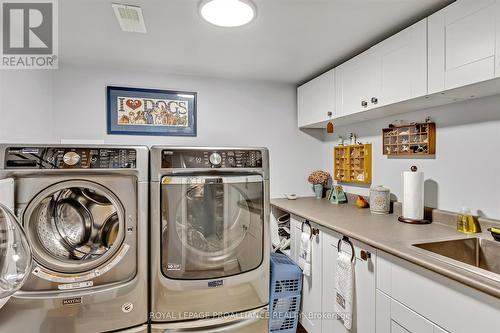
[[385, 233]]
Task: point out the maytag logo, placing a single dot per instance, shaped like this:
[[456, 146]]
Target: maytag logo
[[72, 301], [29, 34], [215, 283]]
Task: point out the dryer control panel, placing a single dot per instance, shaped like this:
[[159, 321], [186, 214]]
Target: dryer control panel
[[199, 158], [69, 158]]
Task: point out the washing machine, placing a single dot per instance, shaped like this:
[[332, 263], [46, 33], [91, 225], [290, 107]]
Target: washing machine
[[209, 239], [84, 210]]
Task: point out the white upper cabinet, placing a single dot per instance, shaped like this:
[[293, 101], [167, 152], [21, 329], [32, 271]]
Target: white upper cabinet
[[355, 83], [316, 100], [463, 44], [402, 60], [392, 71], [456, 47]]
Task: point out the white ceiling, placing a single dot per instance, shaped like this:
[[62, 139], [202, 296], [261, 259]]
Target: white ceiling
[[290, 41]]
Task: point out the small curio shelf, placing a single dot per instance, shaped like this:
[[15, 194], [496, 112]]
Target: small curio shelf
[[353, 164], [414, 139]]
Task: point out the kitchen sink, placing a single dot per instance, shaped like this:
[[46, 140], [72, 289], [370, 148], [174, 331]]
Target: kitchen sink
[[477, 252]]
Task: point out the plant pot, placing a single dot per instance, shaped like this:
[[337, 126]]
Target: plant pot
[[318, 190]]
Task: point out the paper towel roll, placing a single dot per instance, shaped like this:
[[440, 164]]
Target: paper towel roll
[[413, 195]]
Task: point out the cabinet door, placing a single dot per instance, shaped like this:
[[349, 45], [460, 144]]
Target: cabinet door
[[462, 44], [311, 288], [364, 287], [403, 66], [295, 225], [329, 324], [356, 83], [315, 99]]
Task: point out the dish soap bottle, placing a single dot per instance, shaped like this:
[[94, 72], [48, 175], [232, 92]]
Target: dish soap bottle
[[466, 223]]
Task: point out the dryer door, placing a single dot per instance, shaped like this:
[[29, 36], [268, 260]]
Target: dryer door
[[212, 226], [74, 226]]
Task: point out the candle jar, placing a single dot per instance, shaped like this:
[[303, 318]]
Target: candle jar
[[380, 200]]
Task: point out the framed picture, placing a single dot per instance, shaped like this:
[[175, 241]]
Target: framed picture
[[135, 111]]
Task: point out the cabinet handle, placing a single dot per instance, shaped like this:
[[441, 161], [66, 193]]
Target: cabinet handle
[[374, 100], [365, 255], [364, 104], [329, 113]]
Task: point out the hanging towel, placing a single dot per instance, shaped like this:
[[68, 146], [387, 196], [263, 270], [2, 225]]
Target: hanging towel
[[343, 288], [305, 253]]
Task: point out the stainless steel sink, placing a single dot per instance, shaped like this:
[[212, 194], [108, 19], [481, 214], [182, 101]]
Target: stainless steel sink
[[476, 252]]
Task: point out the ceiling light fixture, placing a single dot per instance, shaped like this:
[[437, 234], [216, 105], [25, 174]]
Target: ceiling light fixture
[[228, 13]]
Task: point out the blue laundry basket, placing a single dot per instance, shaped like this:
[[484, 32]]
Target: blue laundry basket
[[285, 291]]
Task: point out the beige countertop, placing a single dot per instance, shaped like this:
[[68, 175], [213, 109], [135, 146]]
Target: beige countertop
[[385, 233]]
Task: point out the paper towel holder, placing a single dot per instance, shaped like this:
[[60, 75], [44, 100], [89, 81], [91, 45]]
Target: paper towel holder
[[413, 221]]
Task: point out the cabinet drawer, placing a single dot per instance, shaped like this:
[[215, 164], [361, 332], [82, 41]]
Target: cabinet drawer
[[409, 320], [395, 317]]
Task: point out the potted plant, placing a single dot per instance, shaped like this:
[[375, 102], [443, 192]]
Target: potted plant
[[318, 179]]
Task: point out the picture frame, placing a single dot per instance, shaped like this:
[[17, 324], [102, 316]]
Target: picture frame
[[156, 112]]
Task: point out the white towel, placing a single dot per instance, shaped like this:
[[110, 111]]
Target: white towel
[[305, 253], [343, 288]]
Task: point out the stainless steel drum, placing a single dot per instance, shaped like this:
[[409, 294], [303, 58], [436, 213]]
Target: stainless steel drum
[[209, 225], [74, 226]]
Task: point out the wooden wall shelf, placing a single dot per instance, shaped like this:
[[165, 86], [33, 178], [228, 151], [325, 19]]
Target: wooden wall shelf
[[415, 139], [353, 164]]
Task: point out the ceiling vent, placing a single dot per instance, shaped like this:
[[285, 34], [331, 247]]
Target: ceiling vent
[[130, 18]]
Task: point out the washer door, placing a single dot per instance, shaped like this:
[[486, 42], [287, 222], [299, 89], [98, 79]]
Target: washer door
[[74, 226], [212, 226]]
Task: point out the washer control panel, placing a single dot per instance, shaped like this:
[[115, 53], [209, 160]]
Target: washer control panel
[[69, 158], [196, 159]]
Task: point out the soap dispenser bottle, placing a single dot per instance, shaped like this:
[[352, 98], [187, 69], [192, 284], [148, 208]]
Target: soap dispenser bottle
[[466, 223]]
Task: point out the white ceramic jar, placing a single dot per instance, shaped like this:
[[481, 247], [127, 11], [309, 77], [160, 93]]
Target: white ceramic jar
[[380, 200]]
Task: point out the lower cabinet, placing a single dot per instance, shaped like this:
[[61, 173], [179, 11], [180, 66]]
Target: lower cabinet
[[311, 285], [391, 295], [318, 290], [364, 285]]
